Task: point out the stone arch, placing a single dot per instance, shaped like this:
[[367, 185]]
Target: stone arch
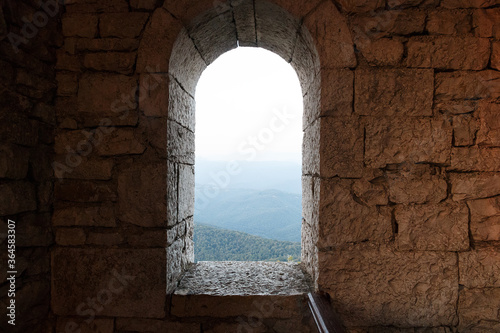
[[183, 38]]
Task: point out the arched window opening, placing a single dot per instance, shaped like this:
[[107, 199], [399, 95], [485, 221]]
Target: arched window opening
[[248, 194]]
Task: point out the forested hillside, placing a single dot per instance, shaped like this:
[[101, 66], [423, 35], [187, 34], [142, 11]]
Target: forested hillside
[[217, 244]]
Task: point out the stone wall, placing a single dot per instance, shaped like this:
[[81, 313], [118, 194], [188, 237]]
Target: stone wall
[[401, 159]]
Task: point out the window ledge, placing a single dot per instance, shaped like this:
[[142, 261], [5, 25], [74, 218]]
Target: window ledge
[[240, 278]]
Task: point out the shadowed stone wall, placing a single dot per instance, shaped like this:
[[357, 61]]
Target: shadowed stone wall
[[401, 157]]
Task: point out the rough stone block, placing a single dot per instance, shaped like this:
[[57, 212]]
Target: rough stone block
[[337, 92], [386, 23], [305, 61], [469, 3], [486, 22], [118, 62], [372, 285], [122, 25], [180, 143], [371, 191], [449, 22], [361, 6], [73, 166], [108, 96], [343, 220], [144, 4], [79, 25], [381, 52], [67, 84], [142, 195], [87, 216], [215, 36], [157, 42], [488, 134], [14, 161], [105, 238], [189, 11], [433, 227], [495, 55], [475, 159], [154, 95], [244, 20], [122, 141], [397, 140], [335, 50], [449, 52], [311, 149], [467, 86], [156, 131], [276, 29], [466, 186], [68, 324], [480, 268], [485, 219], [68, 62], [181, 107], [17, 197], [186, 192], [478, 310], [121, 283], [91, 6], [341, 147], [464, 130], [107, 44], [154, 325], [33, 229], [84, 191], [70, 236], [416, 183], [298, 9], [390, 92], [148, 238]]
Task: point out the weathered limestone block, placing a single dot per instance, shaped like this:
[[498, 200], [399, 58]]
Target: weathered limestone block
[[85, 191], [385, 23], [464, 130], [468, 3], [486, 22], [17, 197], [67, 84], [155, 325], [181, 107], [433, 227], [186, 63], [105, 238], [174, 264], [91, 6], [495, 55], [480, 268], [122, 141], [107, 44], [485, 219], [70, 236], [371, 191], [488, 134], [73, 166], [416, 183], [337, 92], [449, 52], [14, 161], [343, 220], [361, 6], [191, 9], [372, 285], [79, 25], [244, 20], [180, 143], [449, 22], [475, 159], [122, 25], [397, 140], [256, 326], [157, 42], [107, 96], [467, 86], [380, 52], [142, 195], [91, 216], [118, 62], [335, 50], [215, 37], [478, 310], [389, 92], [276, 29], [341, 147], [156, 130], [186, 192], [298, 9], [68, 62], [121, 283], [154, 94], [466, 186], [144, 4], [102, 325]]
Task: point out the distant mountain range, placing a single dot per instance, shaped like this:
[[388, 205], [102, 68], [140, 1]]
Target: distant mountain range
[[216, 244], [270, 214], [258, 175]]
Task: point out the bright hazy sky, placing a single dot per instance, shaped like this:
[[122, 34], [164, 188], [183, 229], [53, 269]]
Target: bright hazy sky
[[249, 107]]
